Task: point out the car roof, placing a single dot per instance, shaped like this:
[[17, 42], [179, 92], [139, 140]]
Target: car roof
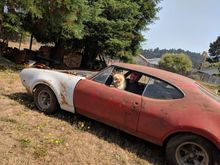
[[173, 78]]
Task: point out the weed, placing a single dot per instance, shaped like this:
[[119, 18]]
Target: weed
[[83, 125], [50, 139], [57, 141], [25, 142], [22, 127], [5, 119]]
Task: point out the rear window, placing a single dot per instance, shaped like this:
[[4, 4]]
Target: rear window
[[158, 89], [207, 92]]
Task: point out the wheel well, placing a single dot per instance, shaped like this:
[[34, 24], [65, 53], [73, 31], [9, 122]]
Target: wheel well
[[39, 85], [185, 133], [42, 84]]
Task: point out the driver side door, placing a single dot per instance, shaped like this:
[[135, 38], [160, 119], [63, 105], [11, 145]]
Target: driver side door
[[95, 99]]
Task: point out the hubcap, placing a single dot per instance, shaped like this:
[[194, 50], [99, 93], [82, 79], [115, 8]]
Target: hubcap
[[44, 100], [190, 153]]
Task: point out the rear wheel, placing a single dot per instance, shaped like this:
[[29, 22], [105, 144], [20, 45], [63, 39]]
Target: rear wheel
[[190, 150], [45, 100]]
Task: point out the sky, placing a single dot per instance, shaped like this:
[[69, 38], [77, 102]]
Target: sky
[[186, 24]]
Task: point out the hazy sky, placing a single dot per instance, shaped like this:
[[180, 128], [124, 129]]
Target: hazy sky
[[186, 24]]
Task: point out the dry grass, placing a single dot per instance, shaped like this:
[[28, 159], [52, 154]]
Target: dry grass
[[215, 89], [30, 137]]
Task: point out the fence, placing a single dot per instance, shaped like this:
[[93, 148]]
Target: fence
[[206, 78]]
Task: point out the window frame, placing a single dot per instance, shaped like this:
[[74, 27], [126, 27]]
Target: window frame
[[101, 72], [156, 78], [146, 85]]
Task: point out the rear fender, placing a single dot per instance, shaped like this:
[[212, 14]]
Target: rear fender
[[199, 132]]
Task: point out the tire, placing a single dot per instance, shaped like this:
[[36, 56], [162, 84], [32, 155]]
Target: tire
[[189, 149], [45, 99]]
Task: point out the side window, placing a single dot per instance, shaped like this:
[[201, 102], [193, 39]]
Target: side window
[[103, 76], [136, 82], [129, 80], [158, 89]]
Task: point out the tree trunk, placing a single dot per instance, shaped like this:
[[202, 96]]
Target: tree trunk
[[57, 53], [89, 55], [20, 42], [31, 41]]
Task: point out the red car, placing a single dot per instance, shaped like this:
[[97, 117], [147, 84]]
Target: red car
[[161, 107]]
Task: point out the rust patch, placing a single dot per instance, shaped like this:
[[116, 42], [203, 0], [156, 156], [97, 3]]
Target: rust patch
[[63, 93], [207, 108], [63, 99], [63, 86]]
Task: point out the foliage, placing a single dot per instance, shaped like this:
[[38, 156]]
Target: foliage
[[115, 26], [216, 64], [48, 21], [11, 18], [94, 27], [178, 63], [157, 53], [54, 20], [214, 49]]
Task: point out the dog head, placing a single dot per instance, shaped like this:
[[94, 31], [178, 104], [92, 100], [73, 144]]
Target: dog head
[[118, 80]]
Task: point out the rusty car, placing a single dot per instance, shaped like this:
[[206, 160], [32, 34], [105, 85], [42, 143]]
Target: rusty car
[[167, 109]]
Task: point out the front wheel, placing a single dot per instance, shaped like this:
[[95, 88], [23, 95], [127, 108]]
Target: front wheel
[[45, 100], [190, 150]]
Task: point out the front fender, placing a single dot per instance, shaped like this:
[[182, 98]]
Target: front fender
[[61, 84]]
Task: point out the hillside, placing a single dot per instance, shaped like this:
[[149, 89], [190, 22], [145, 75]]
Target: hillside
[[157, 53]]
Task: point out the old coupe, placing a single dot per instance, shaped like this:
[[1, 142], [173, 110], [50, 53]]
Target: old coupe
[[168, 109]]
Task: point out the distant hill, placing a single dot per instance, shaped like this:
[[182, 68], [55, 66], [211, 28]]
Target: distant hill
[[157, 53]]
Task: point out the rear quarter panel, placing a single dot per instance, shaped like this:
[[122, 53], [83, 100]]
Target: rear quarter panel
[[161, 119]]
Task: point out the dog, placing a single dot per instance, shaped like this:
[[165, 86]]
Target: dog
[[119, 81]]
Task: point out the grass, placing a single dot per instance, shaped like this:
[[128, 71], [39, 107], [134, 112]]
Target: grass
[[39, 152], [213, 88]]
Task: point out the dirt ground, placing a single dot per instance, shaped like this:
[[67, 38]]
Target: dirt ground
[[24, 45], [30, 137]]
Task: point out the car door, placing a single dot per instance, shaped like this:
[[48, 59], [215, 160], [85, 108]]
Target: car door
[[160, 102], [110, 105]]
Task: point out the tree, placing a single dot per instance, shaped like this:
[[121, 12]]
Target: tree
[[178, 63], [1, 16], [58, 22], [11, 16], [203, 61], [51, 21], [94, 27], [214, 49], [196, 58], [115, 28]]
